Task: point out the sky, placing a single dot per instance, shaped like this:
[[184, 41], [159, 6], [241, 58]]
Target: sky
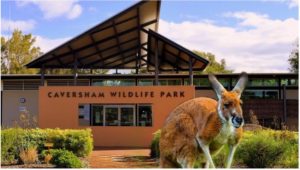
[[251, 35]]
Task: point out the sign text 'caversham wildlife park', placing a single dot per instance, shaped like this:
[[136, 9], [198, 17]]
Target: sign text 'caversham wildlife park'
[[116, 94]]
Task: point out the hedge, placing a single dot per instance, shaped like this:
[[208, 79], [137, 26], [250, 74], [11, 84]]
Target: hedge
[[63, 158], [258, 149], [80, 142]]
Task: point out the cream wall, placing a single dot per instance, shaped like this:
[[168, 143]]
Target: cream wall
[[11, 105], [291, 94], [206, 93]]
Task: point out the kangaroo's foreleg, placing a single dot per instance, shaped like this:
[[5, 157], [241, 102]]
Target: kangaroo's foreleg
[[206, 152], [232, 149]]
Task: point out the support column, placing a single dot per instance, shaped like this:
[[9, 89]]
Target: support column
[[191, 71], [43, 75], [156, 63], [284, 104], [75, 71]]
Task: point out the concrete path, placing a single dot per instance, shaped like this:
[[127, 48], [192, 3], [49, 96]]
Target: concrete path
[[121, 158]]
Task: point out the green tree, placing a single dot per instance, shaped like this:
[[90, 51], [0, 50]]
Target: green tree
[[294, 59], [18, 51], [214, 66]]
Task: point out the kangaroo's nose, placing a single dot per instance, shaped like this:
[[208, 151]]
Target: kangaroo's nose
[[238, 120]]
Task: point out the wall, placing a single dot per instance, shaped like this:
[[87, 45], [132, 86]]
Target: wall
[[11, 105], [62, 112]]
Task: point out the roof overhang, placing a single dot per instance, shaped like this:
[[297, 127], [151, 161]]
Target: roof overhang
[[171, 56], [114, 43]]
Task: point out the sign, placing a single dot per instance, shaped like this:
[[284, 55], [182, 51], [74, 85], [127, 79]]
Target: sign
[[116, 94], [22, 100]]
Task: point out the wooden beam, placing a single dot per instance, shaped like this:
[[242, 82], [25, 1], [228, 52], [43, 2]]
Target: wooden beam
[[96, 46], [117, 38], [96, 43], [110, 56], [191, 70], [138, 57], [156, 62], [43, 75]]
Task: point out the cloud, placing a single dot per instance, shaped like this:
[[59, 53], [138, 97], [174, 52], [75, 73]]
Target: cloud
[[24, 25], [47, 44], [54, 8], [293, 3], [256, 44]]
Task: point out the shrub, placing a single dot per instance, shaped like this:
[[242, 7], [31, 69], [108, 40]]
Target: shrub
[[29, 155], [47, 158], [258, 149], [13, 140], [155, 145], [64, 158], [10, 144]]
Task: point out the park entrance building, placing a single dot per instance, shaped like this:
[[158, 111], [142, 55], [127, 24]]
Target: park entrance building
[[125, 110]]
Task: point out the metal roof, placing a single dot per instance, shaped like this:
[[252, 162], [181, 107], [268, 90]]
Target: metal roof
[[114, 43], [171, 56], [124, 41]]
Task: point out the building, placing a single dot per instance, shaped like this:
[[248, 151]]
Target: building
[[125, 110]]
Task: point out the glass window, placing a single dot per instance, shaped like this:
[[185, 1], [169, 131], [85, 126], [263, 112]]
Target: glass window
[[111, 115], [252, 94], [127, 82], [97, 113], [294, 82], [196, 81], [255, 82], [144, 115], [123, 82], [224, 81], [84, 114], [270, 82], [289, 82], [204, 82], [127, 116], [162, 82], [169, 82], [145, 82], [233, 82], [174, 82], [271, 94]]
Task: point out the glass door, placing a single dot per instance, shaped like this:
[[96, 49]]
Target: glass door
[[97, 113], [111, 115], [127, 115]]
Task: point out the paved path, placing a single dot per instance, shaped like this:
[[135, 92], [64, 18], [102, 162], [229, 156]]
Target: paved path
[[121, 158]]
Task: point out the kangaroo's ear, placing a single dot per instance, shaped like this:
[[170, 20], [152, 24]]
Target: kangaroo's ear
[[241, 84], [216, 85]]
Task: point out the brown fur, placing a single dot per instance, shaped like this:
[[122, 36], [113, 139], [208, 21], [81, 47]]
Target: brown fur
[[196, 117]]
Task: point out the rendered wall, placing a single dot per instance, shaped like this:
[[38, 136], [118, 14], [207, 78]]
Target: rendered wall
[[62, 112], [11, 105]]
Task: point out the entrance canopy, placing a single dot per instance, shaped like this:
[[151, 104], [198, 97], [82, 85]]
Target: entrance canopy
[[124, 41]]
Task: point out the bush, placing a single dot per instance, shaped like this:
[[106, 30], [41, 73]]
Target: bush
[[13, 140], [269, 148], [29, 155], [10, 144], [258, 149], [64, 158], [155, 145]]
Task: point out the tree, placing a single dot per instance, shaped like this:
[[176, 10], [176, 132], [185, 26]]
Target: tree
[[214, 66], [18, 51], [294, 59]]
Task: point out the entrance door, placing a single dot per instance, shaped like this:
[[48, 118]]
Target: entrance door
[[97, 115], [111, 115], [127, 115]]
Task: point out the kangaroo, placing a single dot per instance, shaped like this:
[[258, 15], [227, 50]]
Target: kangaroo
[[200, 127]]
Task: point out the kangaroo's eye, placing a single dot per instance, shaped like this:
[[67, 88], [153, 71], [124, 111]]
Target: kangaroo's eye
[[227, 105]]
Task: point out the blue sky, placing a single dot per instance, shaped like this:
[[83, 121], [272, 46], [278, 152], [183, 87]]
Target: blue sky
[[210, 22]]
